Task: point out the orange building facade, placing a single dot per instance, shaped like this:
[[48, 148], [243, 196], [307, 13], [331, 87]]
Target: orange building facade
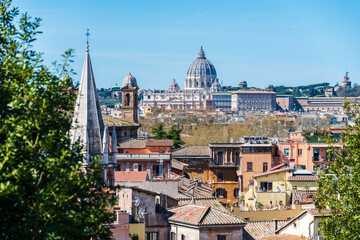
[[148, 155], [305, 154], [258, 155]]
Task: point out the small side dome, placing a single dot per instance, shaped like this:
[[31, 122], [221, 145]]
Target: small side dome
[[174, 86], [215, 87], [129, 80]]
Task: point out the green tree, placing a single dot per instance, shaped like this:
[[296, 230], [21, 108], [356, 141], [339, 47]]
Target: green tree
[[173, 134], [159, 132], [339, 185], [44, 193]]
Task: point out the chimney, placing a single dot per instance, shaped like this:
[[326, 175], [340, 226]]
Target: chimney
[[275, 225]]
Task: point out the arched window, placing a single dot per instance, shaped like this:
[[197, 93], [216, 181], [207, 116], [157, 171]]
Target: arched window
[[127, 99], [220, 158]]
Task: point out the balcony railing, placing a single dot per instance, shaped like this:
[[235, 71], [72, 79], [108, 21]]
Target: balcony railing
[[259, 190], [225, 164], [129, 156]]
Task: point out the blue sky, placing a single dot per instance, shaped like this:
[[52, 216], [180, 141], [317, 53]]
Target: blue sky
[[246, 40]]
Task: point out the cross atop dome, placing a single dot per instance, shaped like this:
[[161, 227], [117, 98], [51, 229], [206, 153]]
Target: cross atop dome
[[201, 54]]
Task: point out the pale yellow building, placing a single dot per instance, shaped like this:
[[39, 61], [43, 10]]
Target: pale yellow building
[[272, 190]]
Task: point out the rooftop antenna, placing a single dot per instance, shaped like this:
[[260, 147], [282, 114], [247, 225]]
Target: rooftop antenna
[[87, 39]]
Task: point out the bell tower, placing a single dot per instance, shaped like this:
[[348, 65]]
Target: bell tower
[[129, 94]]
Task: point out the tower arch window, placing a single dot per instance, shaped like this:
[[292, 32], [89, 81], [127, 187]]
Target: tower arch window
[[127, 99]]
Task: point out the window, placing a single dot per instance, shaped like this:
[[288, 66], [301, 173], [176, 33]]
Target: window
[[299, 152], [220, 157], [237, 159], [157, 170], [140, 167], [286, 152], [220, 177], [249, 166], [266, 186], [220, 192], [127, 167], [221, 237], [316, 155], [246, 149], [236, 192], [152, 236], [173, 236], [136, 167], [118, 167], [265, 167], [183, 237]]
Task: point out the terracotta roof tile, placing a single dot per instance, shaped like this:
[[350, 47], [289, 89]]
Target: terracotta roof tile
[[314, 212], [178, 165], [271, 172], [302, 179], [143, 143], [192, 151], [203, 215], [285, 237], [260, 229], [278, 166], [133, 143], [131, 176], [204, 201], [159, 143]]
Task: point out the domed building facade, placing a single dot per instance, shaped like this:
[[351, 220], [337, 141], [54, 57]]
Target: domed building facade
[[200, 81], [174, 86], [201, 73]]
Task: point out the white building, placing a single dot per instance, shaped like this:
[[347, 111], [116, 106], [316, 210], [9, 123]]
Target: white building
[[253, 100], [306, 224], [200, 81]]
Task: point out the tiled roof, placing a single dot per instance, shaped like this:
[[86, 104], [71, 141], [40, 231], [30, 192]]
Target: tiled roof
[[314, 212], [204, 201], [192, 151], [260, 229], [111, 121], [131, 176], [302, 178], [271, 172], [178, 165], [203, 216], [285, 236], [143, 143], [283, 165], [159, 143], [133, 143], [194, 188]]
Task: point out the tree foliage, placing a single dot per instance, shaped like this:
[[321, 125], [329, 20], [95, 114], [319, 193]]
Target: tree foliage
[[173, 134], [44, 194], [339, 185]]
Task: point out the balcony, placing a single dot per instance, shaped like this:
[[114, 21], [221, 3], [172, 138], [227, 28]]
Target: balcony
[[130, 156], [225, 164]]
